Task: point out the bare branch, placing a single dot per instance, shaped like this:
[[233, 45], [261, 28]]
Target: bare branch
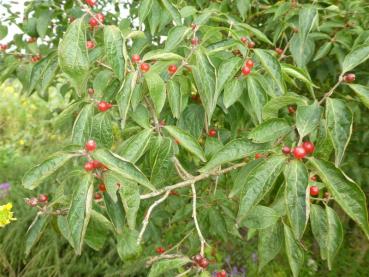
[[194, 215], [183, 173], [330, 92]]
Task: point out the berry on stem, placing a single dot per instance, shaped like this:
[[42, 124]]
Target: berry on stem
[[32, 202], [93, 22], [195, 41], [103, 106], [299, 152], [204, 263], [136, 58], [90, 145], [100, 17], [286, 150], [172, 69], [145, 67], [3, 47], [251, 44], [244, 39], [313, 178], [309, 147], [279, 51], [96, 164], [91, 3], [349, 78], [90, 91], [314, 190], [102, 187], [222, 273], [193, 26], [90, 44], [291, 109], [198, 258], [43, 198], [246, 70], [98, 196], [212, 133], [258, 156], [249, 63], [89, 166], [160, 250], [31, 40]]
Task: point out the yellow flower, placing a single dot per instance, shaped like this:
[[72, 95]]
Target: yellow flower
[[6, 215], [21, 142]]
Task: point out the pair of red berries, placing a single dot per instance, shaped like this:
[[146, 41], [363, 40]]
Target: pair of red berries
[[36, 58], [102, 187], [195, 41], [91, 165], [349, 78], [103, 106], [91, 3], [160, 250], [42, 198], [212, 133], [246, 69], [222, 273], [98, 18], [201, 261], [90, 44], [144, 66], [279, 51], [301, 151], [250, 44]]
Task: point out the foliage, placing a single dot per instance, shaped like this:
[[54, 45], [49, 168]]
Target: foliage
[[189, 137]]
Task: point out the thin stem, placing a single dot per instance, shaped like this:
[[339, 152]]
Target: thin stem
[[104, 65], [184, 273], [180, 169], [331, 91], [153, 114], [284, 51], [89, 12], [194, 215]]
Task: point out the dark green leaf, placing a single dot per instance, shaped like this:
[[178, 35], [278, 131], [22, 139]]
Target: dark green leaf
[[83, 125], [156, 88], [165, 266], [127, 246], [113, 42], [130, 195], [335, 235], [270, 243], [270, 130], [260, 217], [97, 231], [355, 57], [134, 147], [35, 231], [319, 227], [294, 251], [307, 118]]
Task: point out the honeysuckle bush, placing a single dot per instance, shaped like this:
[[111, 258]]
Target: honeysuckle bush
[[196, 125]]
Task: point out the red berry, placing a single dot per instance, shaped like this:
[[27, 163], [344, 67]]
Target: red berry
[[204, 263], [309, 147], [89, 166], [91, 91], [198, 258], [136, 58], [349, 78], [90, 145], [299, 152], [100, 17], [251, 44], [162, 123], [104, 106], [212, 133], [98, 196], [93, 22], [90, 44], [195, 41], [258, 156], [286, 150], [313, 178], [173, 192], [31, 40], [246, 70], [145, 67], [249, 64], [91, 3], [102, 187], [222, 273], [314, 190], [43, 198], [160, 250], [193, 26], [176, 141], [96, 164], [172, 69], [291, 109], [243, 39], [3, 47], [279, 51], [32, 202]]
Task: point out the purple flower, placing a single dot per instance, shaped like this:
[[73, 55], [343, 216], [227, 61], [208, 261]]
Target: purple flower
[[5, 186]]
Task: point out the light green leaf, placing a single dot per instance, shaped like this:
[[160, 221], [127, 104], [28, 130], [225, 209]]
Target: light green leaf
[[296, 177], [227, 70], [97, 231], [362, 92], [36, 175], [130, 195], [174, 13], [83, 125], [243, 7], [297, 73], [156, 88], [43, 74], [102, 130], [144, 9], [357, 56], [124, 97], [113, 43], [175, 36], [323, 51], [256, 96], [270, 130], [270, 243], [344, 191], [187, 141], [165, 266], [133, 148], [319, 227], [174, 98], [307, 118], [80, 211], [3, 31], [115, 212], [308, 16], [302, 50], [43, 21], [339, 125], [335, 235], [294, 251], [35, 231], [271, 108], [232, 91], [260, 217], [161, 55], [127, 245], [161, 152], [260, 35]]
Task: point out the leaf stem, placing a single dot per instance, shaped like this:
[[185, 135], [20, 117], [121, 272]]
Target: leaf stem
[[331, 91]]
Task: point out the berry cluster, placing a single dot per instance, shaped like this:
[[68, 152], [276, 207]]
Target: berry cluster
[[98, 18], [221, 273], [42, 199], [246, 69], [301, 151], [36, 58], [144, 67], [201, 261], [3, 47], [103, 106], [250, 44]]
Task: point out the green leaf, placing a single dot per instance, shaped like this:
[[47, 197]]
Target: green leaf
[[243, 7], [174, 98], [339, 125], [186, 141], [134, 147], [192, 119], [35, 231], [319, 227], [144, 9], [271, 108], [161, 55], [308, 15], [130, 195], [302, 50], [161, 153], [43, 74], [73, 55], [232, 91], [174, 13], [97, 231], [204, 74], [156, 87], [233, 150], [175, 36], [217, 224], [115, 211], [3, 31], [270, 243], [335, 235], [362, 92], [260, 35], [122, 167], [297, 73], [270, 130], [227, 70], [273, 68], [124, 97], [43, 21], [113, 43], [102, 130], [260, 217], [127, 245], [357, 56], [83, 125], [257, 97], [165, 266], [323, 51], [80, 211], [259, 182], [294, 251], [296, 177], [344, 191], [307, 118], [36, 175]]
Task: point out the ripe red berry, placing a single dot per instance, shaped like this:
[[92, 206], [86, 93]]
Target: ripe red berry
[[3, 47], [90, 44], [349, 78], [314, 190], [195, 41], [160, 250], [36, 58], [98, 196], [251, 44], [136, 58], [291, 109], [246, 70], [198, 258], [244, 39], [43, 198], [204, 263], [222, 273], [145, 67], [279, 51], [32, 202], [258, 156], [313, 178], [286, 150], [212, 133], [249, 64], [299, 152], [90, 145], [309, 147], [91, 91], [103, 106], [96, 164], [89, 166], [93, 22], [102, 187], [100, 17], [91, 3], [172, 69]]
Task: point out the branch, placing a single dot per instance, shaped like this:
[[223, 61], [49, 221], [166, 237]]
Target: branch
[[330, 92], [194, 215], [194, 179], [89, 12], [145, 222], [153, 114], [180, 169]]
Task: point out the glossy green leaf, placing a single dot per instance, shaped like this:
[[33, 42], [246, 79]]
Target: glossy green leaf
[[156, 88], [83, 125], [270, 130], [80, 211], [307, 118], [35, 231], [174, 13], [133, 148], [345, 192], [165, 266], [161, 152], [319, 227], [308, 15], [186, 141], [174, 98], [102, 130], [227, 70], [296, 177], [130, 195], [294, 251], [113, 43], [335, 235], [271, 108], [357, 56], [339, 124], [232, 91], [297, 73], [144, 9], [260, 35], [124, 97], [302, 50], [127, 245], [256, 96], [115, 212], [98, 230], [43, 74], [260, 217], [323, 51], [362, 92], [161, 55], [36, 175], [175, 36], [73, 55], [270, 243]]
